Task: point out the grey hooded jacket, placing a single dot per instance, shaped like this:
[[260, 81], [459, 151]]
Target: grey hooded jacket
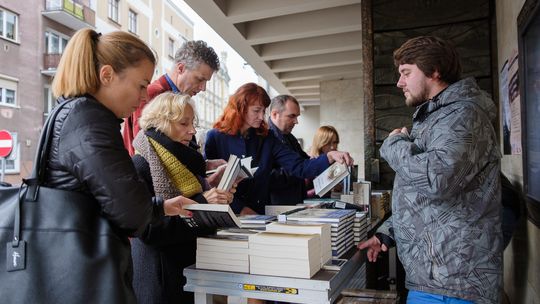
[[446, 209]]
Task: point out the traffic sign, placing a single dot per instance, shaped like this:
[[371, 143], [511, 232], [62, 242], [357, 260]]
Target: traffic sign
[[6, 143]]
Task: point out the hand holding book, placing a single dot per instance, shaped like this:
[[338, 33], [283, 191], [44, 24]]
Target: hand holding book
[[175, 206], [216, 196], [340, 157]]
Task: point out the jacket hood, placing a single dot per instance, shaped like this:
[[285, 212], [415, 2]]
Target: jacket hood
[[463, 90]]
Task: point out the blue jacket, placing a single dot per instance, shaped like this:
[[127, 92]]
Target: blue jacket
[[284, 188], [266, 151]]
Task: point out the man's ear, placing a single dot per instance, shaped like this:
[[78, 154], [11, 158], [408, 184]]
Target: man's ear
[[436, 76], [180, 67], [274, 113], [106, 74]]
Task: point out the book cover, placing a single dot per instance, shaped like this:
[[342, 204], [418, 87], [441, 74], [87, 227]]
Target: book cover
[[330, 177], [236, 170], [213, 215], [322, 215]]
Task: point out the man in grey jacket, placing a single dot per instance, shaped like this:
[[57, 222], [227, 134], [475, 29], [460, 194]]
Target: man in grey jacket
[[446, 209]]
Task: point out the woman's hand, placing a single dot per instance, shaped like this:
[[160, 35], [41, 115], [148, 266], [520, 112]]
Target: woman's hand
[[340, 157], [174, 206], [215, 196], [214, 178]]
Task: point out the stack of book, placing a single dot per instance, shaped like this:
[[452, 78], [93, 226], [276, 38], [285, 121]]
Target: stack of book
[[360, 227], [323, 230], [286, 255], [380, 203], [223, 252], [340, 220], [255, 221]]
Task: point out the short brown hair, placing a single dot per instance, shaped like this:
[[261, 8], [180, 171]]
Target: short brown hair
[[87, 51], [431, 54]]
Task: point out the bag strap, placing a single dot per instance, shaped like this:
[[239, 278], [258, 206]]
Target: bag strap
[[37, 177]]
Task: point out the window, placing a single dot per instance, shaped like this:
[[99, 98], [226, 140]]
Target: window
[[8, 91], [113, 10], [55, 43], [48, 101], [132, 26], [9, 25], [171, 48], [13, 161]]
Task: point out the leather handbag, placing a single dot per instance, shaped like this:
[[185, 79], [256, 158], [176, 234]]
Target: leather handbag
[[59, 249]]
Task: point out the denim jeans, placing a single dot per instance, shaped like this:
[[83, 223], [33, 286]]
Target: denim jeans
[[420, 297]]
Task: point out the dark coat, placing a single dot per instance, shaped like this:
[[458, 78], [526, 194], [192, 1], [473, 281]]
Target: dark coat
[[266, 151], [161, 254], [87, 155], [286, 189]]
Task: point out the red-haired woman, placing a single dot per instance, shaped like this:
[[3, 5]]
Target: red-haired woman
[[242, 131]]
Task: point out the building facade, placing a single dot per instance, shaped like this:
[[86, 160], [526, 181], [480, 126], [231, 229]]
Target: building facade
[[30, 50]]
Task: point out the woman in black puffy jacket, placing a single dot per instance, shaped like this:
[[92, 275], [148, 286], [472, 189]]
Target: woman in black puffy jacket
[[103, 78]]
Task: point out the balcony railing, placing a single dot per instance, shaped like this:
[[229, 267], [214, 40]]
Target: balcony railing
[[51, 61], [73, 14], [50, 64]]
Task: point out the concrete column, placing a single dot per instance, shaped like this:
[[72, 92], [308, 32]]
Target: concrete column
[[342, 107]]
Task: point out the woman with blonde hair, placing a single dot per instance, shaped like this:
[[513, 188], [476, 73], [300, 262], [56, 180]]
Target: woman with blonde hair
[[326, 139], [170, 167], [100, 80]]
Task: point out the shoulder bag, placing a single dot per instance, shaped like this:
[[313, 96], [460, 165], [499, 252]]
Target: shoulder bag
[[58, 248]]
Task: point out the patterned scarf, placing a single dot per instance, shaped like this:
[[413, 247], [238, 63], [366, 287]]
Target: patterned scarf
[[172, 165]]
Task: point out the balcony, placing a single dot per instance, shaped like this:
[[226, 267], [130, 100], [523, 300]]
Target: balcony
[[50, 63], [70, 13]]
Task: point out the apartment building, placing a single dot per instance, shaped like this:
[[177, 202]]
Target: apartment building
[[33, 35]]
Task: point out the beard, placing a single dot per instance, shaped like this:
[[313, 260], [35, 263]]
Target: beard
[[413, 100]]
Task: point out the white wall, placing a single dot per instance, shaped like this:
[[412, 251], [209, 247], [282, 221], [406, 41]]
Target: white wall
[[308, 122]]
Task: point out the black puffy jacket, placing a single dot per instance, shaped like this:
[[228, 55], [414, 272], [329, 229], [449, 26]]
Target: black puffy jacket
[[87, 155]]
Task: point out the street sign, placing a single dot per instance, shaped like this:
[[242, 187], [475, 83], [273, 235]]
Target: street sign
[[6, 143]]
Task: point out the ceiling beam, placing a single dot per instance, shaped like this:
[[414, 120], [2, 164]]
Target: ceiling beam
[[245, 10], [315, 61], [212, 14], [339, 71], [311, 46], [303, 84], [302, 25]]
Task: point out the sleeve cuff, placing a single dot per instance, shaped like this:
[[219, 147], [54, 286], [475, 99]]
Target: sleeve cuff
[[385, 239]]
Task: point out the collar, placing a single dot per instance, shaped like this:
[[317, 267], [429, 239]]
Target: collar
[[174, 88], [429, 105], [277, 132]]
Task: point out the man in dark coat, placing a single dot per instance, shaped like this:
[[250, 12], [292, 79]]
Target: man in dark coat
[[284, 188]]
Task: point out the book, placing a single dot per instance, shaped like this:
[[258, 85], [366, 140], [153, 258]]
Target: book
[[236, 170], [306, 228], [330, 178], [322, 215], [256, 219], [213, 216], [334, 264]]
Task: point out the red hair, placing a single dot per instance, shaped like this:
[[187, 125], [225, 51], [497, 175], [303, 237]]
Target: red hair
[[233, 117]]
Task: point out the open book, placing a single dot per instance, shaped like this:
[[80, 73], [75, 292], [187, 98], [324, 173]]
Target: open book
[[237, 169], [212, 216], [330, 177]]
